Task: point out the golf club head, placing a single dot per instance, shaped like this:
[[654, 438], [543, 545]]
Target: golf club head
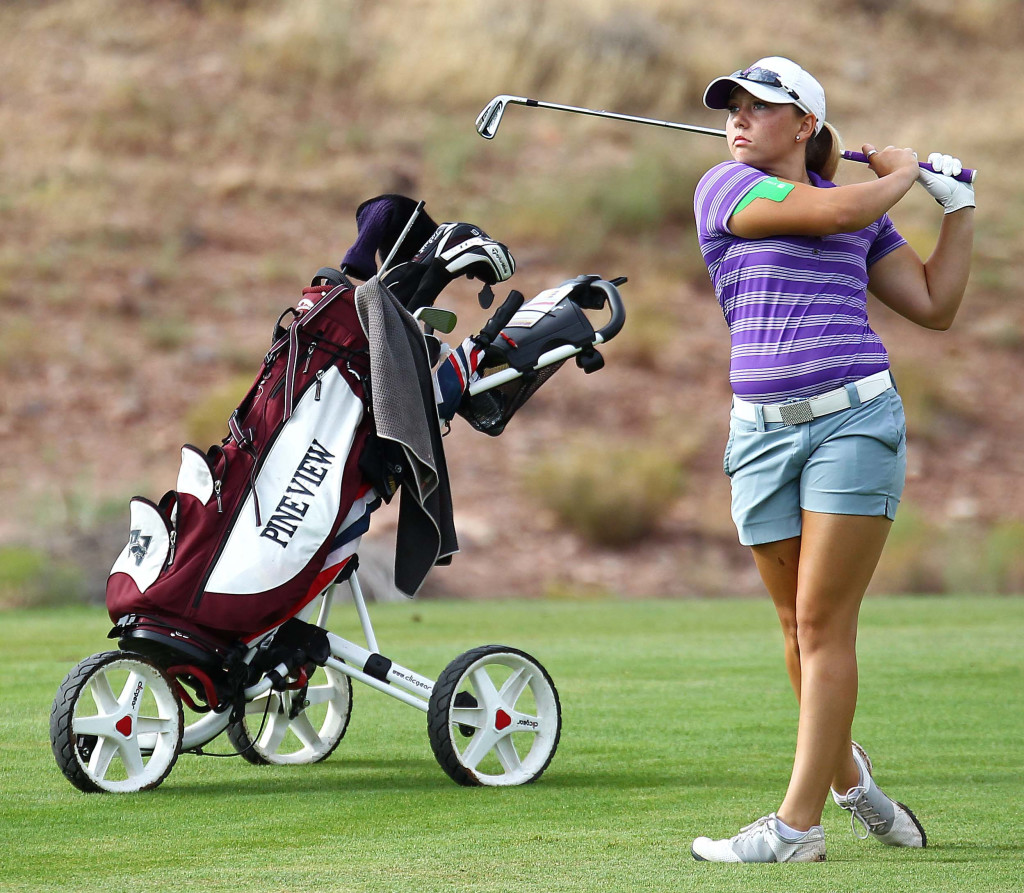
[[488, 120], [438, 319]]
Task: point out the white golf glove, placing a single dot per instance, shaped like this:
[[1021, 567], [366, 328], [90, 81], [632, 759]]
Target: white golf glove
[[951, 194]]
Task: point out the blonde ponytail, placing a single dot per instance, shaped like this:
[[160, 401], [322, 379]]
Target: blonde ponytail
[[824, 152]]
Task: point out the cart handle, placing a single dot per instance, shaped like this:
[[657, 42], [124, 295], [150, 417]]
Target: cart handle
[[565, 351], [618, 318]]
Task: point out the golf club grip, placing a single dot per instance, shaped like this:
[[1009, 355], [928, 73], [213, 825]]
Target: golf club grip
[[967, 175], [500, 319]]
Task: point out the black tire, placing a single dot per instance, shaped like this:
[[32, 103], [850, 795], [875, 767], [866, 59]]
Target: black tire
[[125, 750], [494, 718], [264, 735]]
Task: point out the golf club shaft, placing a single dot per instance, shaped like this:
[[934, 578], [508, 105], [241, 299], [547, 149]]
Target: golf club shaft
[[401, 238], [488, 120]]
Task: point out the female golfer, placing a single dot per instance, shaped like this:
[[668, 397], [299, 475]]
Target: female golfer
[[816, 450]]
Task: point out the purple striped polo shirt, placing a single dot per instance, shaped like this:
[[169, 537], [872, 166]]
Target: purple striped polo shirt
[[796, 305]]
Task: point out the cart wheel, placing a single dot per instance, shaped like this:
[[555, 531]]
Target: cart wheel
[[313, 734], [494, 717], [116, 724]]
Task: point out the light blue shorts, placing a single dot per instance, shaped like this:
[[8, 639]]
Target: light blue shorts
[[852, 462]]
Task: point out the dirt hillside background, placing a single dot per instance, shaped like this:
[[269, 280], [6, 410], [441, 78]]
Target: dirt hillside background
[[172, 172]]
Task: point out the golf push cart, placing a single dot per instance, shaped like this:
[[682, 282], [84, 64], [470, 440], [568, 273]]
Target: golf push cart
[[279, 683]]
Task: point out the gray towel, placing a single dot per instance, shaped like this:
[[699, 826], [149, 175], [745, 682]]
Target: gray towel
[[405, 412]]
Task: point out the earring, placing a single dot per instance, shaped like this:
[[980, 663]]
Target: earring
[[798, 137]]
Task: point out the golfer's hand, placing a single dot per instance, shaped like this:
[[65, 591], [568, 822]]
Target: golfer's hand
[[951, 194], [890, 160]]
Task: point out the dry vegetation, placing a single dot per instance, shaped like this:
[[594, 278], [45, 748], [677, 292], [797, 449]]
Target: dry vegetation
[[172, 171]]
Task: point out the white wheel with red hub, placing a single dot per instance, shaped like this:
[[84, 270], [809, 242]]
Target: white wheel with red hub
[[494, 717], [116, 724]]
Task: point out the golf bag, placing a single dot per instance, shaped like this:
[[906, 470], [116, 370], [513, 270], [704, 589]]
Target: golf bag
[[236, 547]]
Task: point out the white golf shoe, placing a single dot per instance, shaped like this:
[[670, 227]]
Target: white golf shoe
[[762, 842], [879, 816]]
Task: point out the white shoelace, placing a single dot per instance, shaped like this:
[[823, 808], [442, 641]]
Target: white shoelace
[[862, 811], [754, 828]]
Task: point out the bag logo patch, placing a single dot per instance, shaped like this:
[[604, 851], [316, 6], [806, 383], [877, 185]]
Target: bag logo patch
[[138, 546]]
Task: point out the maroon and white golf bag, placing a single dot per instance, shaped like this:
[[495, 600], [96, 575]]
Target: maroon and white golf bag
[[236, 547]]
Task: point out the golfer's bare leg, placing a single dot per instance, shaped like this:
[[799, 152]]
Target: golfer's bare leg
[[777, 564], [838, 555]]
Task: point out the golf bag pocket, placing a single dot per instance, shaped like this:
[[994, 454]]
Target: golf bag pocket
[[150, 541], [196, 476], [171, 544]]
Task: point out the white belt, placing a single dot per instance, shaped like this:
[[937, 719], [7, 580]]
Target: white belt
[[799, 411]]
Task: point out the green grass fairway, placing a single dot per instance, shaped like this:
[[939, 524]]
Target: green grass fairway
[[678, 721]]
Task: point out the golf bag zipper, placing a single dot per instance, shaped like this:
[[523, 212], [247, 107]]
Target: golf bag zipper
[[168, 510], [218, 482], [201, 589], [309, 356]]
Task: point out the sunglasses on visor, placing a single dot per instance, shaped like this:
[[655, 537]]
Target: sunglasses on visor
[[767, 77]]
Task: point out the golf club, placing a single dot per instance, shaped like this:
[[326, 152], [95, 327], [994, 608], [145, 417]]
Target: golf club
[[401, 238], [488, 120]]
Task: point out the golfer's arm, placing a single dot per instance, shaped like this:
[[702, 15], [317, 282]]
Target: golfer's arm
[[809, 211], [928, 293]]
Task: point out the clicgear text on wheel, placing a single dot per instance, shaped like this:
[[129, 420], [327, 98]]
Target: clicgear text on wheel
[[116, 724], [494, 717]]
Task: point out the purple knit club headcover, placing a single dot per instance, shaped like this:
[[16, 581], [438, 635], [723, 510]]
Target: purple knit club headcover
[[371, 222], [380, 222]]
